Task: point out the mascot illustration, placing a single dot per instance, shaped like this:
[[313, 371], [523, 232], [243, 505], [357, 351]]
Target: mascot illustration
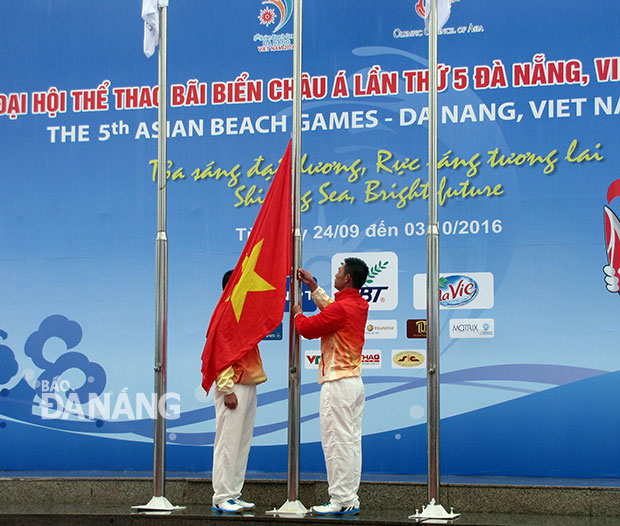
[[612, 238]]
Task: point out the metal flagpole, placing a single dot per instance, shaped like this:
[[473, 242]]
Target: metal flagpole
[[295, 284], [159, 502], [433, 510], [432, 275], [293, 505]]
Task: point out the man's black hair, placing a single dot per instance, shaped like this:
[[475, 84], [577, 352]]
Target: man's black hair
[[226, 277], [358, 270]]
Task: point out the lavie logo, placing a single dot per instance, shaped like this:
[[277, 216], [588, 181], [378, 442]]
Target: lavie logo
[[457, 290], [463, 290]]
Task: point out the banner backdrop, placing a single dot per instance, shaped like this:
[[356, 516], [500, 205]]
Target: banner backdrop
[[529, 248]]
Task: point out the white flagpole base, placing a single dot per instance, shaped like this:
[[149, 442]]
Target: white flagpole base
[[159, 505], [289, 509], [434, 514]]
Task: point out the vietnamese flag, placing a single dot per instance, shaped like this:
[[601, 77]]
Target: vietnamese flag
[[252, 304]]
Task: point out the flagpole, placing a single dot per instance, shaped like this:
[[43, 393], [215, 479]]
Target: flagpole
[[433, 509], [159, 502], [161, 309], [293, 505], [432, 275], [295, 289]]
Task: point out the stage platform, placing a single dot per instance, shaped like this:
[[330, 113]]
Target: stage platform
[[59, 498]]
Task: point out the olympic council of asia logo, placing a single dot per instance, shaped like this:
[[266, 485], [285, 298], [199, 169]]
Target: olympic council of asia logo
[[449, 29]]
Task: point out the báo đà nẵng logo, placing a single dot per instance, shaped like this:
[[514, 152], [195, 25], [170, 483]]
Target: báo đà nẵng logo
[[278, 15]]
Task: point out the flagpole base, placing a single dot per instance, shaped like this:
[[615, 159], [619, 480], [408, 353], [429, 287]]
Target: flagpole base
[[290, 509], [159, 505], [434, 514]]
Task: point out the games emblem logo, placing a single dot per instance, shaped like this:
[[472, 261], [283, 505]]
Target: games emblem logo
[[279, 14]]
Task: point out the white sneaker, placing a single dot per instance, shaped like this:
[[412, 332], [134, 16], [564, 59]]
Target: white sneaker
[[228, 506], [245, 505], [335, 509]]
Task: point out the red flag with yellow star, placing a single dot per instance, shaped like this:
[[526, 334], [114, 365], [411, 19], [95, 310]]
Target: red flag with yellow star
[[252, 304]]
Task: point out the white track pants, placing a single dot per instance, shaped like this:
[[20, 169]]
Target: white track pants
[[342, 404], [233, 434]]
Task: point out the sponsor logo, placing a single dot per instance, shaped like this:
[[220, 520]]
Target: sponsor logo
[[307, 304], [472, 328], [457, 290], [416, 328], [371, 360], [277, 13], [471, 290], [275, 335], [312, 359], [410, 359], [381, 287], [376, 329]]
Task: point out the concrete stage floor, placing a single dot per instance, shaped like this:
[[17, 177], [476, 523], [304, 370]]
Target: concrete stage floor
[[61, 498]]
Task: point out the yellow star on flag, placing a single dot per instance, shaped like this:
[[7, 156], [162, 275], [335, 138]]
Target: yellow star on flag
[[250, 281]]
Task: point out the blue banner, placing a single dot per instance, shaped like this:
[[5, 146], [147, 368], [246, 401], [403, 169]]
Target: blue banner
[[529, 165]]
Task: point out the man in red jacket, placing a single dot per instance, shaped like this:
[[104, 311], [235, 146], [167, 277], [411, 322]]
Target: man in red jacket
[[341, 326]]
